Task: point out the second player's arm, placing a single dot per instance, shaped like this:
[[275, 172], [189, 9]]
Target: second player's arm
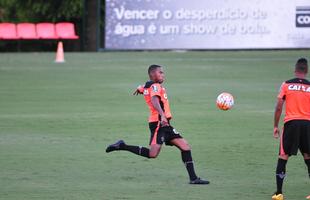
[[277, 116], [156, 104]]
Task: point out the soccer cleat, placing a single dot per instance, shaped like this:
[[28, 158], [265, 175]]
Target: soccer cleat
[[199, 181], [308, 197], [277, 197], [114, 147]]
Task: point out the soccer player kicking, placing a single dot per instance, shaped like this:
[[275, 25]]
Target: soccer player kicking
[[296, 132], [159, 123]]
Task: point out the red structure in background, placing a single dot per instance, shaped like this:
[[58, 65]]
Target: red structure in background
[[65, 30], [30, 31], [26, 31], [8, 31], [46, 31]]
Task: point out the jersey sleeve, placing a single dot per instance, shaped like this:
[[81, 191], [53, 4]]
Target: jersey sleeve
[[140, 88], [155, 90], [282, 91]]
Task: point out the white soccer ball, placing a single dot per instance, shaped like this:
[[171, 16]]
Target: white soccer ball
[[225, 101]]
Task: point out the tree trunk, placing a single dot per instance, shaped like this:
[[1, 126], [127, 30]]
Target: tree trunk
[[91, 21]]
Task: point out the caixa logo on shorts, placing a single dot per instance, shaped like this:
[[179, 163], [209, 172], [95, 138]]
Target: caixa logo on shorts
[[303, 16]]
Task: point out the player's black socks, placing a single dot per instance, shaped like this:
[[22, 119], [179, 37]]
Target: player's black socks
[[141, 151], [189, 164], [280, 174], [307, 161]]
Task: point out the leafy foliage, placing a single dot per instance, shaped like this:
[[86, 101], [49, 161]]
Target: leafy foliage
[[40, 10]]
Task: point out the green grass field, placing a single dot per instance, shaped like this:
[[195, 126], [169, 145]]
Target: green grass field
[[57, 119]]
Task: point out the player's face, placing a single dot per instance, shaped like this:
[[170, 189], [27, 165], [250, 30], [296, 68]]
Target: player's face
[[159, 75]]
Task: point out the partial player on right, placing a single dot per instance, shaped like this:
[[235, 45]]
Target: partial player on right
[[296, 132]]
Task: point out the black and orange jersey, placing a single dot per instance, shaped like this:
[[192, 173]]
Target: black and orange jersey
[[296, 93], [151, 89]]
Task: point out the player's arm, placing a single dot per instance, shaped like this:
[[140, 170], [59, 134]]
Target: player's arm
[[277, 116], [139, 90], [156, 104]]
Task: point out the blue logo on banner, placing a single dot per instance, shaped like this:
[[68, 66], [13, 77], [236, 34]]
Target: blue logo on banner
[[303, 16]]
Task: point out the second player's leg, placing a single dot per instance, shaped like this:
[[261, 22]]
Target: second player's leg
[[306, 156], [305, 144], [307, 161], [281, 172], [286, 143], [281, 169]]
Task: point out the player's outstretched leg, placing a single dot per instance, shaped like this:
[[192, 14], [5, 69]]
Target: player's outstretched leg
[[188, 161], [115, 147], [121, 145]]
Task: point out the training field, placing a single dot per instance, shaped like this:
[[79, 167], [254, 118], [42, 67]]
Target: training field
[[57, 119]]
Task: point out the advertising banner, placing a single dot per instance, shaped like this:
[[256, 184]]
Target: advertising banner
[[207, 24]]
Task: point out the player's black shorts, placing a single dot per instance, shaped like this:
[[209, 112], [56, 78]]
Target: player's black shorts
[[296, 135], [159, 134]]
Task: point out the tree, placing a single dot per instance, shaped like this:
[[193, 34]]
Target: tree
[[91, 21], [40, 10]]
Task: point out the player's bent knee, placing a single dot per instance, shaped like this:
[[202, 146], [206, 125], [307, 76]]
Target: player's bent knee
[[153, 154], [154, 151], [186, 148], [284, 157]]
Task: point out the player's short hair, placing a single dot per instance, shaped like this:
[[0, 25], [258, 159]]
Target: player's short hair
[[152, 68], [302, 65]]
